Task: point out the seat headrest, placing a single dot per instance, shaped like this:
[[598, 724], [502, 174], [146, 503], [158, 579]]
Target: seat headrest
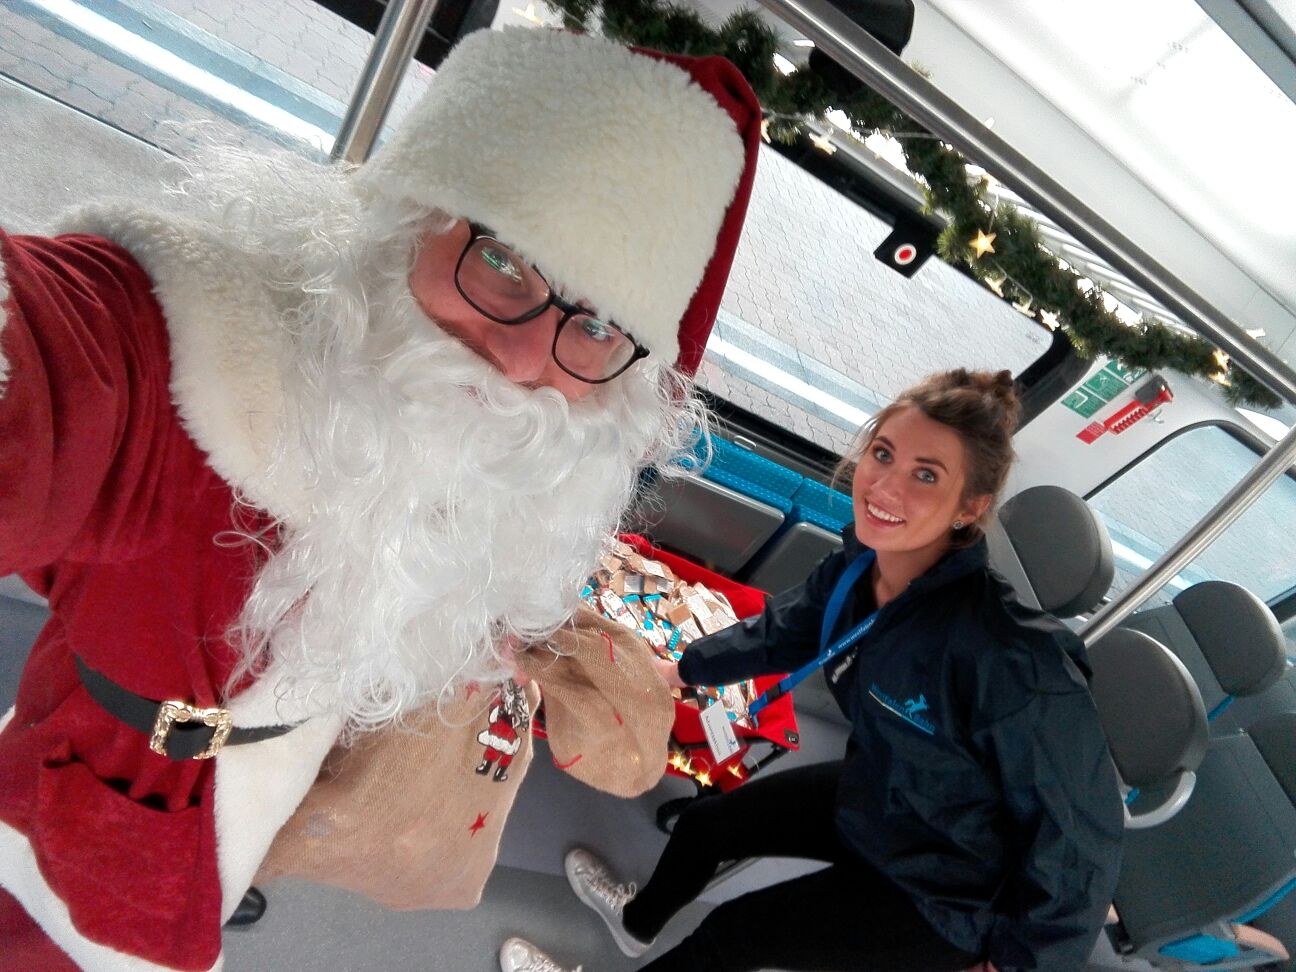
[[1149, 707], [1062, 546], [1237, 633]]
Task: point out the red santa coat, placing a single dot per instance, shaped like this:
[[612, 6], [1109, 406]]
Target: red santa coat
[[123, 425]]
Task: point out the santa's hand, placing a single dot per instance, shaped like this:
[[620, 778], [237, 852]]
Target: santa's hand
[[669, 671]]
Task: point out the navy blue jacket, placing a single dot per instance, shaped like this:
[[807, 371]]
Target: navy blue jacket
[[976, 776]]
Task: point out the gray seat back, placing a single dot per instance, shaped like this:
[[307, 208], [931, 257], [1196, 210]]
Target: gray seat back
[[1150, 709], [705, 521], [1226, 636], [787, 561], [1003, 558], [1059, 546], [1275, 737], [1227, 854]]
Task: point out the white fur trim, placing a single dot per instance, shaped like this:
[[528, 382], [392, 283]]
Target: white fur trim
[[612, 171], [259, 785], [4, 317], [226, 342], [20, 876]]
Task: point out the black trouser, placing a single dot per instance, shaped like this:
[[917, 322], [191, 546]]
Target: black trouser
[[843, 918]]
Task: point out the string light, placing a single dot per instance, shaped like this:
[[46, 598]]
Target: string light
[[529, 14], [824, 143]]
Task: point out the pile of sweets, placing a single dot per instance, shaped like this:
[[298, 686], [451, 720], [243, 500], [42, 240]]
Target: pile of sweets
[[668, 613]]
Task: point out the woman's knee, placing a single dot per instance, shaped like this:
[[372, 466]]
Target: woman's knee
[[701, 818]]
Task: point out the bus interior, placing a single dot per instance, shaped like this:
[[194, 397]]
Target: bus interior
[[1148, 509]]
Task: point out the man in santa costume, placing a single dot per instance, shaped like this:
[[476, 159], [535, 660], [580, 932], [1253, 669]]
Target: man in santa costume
[[297, 456]]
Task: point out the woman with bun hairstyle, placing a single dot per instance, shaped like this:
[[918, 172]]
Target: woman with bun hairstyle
[[974, 821]]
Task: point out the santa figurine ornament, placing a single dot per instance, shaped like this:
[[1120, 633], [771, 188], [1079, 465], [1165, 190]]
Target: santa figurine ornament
[[509, 717], [296, 456]]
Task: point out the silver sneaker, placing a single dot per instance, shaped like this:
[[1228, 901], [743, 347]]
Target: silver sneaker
[[595, 886], [519, 955]]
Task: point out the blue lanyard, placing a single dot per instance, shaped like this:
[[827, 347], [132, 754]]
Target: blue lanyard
[[827, 652]]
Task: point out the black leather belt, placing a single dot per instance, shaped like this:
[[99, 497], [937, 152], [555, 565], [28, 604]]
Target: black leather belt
[[177, 730]]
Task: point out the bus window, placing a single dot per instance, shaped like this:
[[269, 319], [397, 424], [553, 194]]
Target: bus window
[[1153, 503], [815, 333], [143, 66]]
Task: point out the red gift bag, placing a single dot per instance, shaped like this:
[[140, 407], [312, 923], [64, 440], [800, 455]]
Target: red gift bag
[[778, 725]]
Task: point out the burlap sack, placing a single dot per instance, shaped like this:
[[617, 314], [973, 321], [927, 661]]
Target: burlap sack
[[608, 714], [412, 816]]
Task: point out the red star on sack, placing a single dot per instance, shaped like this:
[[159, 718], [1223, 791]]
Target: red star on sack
[[479, 823]]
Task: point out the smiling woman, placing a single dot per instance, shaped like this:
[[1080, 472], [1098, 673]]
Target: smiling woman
[[970, 721], [927, 468]]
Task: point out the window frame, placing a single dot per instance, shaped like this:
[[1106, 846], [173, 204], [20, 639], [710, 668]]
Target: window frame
[[1283, 604]]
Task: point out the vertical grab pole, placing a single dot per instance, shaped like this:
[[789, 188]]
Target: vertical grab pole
[[403, 25]]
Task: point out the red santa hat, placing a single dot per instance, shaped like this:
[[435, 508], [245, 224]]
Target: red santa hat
[[623, 174]]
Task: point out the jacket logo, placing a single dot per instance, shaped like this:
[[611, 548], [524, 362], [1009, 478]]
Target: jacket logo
[[910, 710]]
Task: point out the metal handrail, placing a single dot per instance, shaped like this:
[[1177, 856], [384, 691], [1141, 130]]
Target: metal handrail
[[402, 27], [851, 46], [1221, 516]]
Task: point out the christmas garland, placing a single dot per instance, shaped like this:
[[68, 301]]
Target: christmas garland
[[1022, 270]]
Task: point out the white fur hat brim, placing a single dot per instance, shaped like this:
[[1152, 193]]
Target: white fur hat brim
[[609, 169]]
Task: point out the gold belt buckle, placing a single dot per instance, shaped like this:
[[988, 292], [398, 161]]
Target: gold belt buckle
[[171, 711]]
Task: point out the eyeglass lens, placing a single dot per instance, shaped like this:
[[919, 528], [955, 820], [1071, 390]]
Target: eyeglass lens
[[503, 286]]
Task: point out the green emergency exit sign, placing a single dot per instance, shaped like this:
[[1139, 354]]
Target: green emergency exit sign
[[1101, 388]]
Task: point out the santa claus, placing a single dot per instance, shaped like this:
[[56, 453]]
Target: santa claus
[[293, 458]]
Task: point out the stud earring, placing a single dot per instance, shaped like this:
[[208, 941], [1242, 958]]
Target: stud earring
[[958, 524]]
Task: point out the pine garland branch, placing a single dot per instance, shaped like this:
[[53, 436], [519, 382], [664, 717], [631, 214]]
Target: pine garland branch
[[1032, 276]]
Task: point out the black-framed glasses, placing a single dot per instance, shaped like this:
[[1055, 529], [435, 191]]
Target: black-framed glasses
[[502, 286]]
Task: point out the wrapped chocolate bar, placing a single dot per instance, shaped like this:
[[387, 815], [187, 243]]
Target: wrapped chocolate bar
[[645, 595]]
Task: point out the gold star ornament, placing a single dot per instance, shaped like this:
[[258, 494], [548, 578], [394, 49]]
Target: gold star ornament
[[982, 243], [1220, 375]]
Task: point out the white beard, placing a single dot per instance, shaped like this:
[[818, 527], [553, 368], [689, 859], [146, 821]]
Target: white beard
[[444, 507], [438, 508]]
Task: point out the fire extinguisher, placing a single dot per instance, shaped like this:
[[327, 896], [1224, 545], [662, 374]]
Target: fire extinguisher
[[1152, 394]]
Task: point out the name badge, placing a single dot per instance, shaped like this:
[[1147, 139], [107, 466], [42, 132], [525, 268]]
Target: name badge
[[719, 733]]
